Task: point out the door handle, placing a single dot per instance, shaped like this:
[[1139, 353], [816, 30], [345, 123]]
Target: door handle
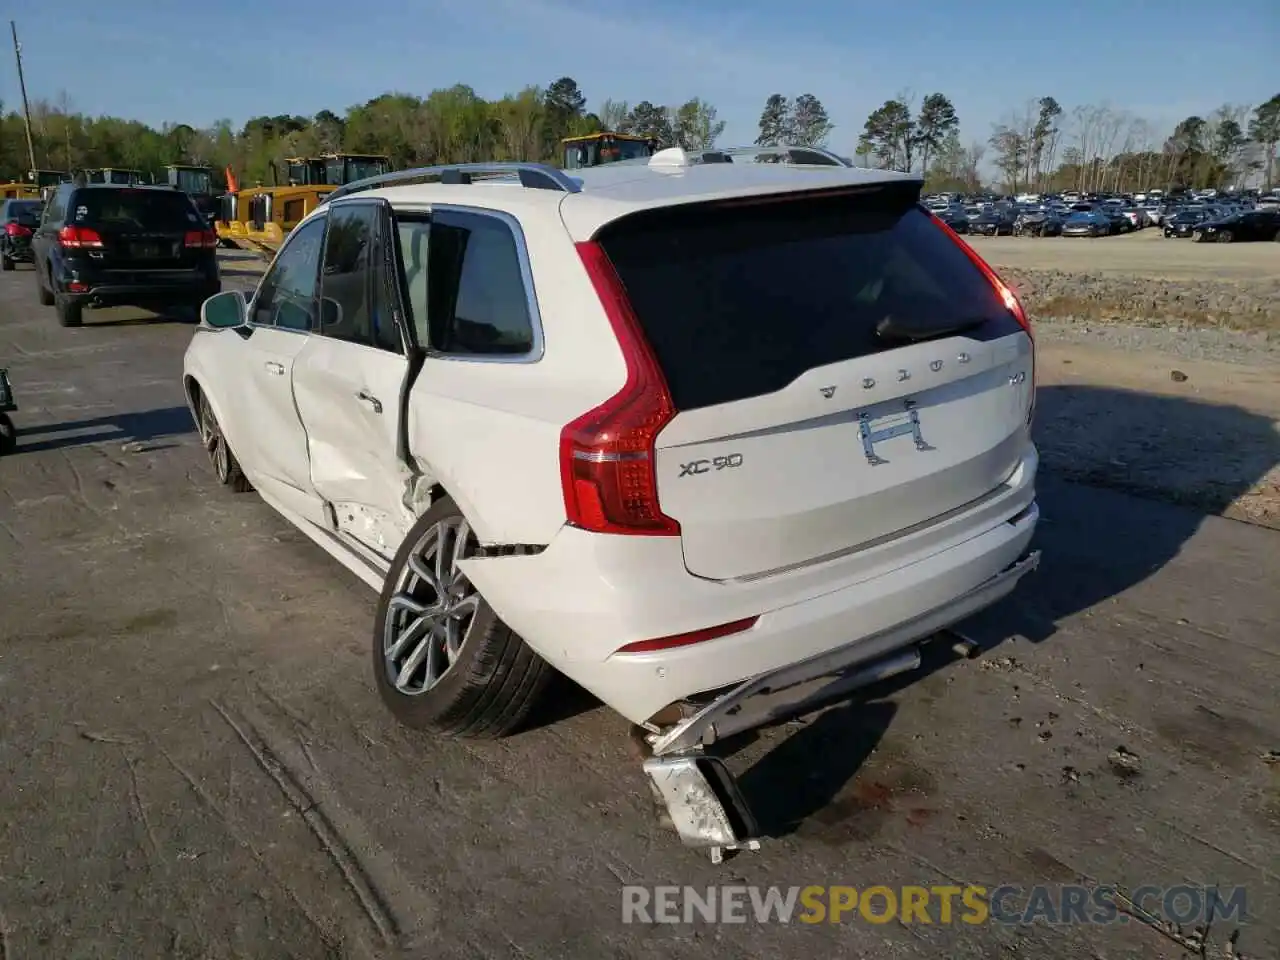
[[370, 399], [274, 368]]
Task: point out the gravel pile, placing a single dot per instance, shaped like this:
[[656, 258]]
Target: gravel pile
[[1242, 305]]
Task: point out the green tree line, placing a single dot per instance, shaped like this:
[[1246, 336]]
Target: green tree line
[[451, 125], [1093, 148], [1039, 147]]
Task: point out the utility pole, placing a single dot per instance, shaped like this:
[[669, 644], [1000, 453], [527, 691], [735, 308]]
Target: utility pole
[[22, 84]]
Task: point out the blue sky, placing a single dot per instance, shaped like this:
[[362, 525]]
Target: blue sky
[[159, 60]]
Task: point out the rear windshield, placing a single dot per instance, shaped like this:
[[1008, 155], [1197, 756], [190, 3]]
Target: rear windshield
[[739, 300], [27, 212], [134, 209]]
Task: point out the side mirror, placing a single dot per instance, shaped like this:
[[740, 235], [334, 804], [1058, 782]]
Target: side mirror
[[224, 310]]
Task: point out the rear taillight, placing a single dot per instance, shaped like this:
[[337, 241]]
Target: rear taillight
[[1007, 297], [200, 240], [76, 238], [607, 465], [17, 230]]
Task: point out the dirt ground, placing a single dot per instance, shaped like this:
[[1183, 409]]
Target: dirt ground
[[1144, 253], [194, 764], [1197, 432]]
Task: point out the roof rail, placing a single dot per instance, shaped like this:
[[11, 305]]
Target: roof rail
[[536, 176]]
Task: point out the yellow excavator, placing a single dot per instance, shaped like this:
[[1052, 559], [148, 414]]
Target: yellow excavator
[[260, 217]]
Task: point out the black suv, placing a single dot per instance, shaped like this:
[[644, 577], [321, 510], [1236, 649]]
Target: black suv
[[18, 220], [101, 245]]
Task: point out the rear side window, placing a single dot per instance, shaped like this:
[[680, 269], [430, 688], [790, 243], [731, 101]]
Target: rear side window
[[55, 211], [737, 300], [135, 209], [477, 303]]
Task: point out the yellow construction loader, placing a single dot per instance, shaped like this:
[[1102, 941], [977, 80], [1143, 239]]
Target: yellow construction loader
[[33, 187], [260, 217]]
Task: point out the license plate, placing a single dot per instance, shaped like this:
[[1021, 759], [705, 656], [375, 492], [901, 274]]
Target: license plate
[[147, 251]]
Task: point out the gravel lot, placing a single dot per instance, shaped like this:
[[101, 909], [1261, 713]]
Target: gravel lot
[[1144, 279], [193, 762]]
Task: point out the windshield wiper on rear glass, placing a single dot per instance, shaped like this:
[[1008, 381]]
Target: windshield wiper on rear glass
[[916, 331]]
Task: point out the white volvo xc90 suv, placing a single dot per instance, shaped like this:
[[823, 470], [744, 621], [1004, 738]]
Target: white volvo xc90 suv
[[703, 435]]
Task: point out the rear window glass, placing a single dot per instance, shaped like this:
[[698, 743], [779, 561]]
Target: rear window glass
[[25, 211], [738, 301], [135, 209]]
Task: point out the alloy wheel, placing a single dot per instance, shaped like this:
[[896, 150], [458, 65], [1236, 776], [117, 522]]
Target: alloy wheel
[[215, 444], [431, 613]]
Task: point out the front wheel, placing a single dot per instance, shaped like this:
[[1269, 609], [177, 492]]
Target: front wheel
[[443, 661], [1226, 236]]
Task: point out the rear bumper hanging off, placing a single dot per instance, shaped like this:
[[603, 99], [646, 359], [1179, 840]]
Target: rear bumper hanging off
[[700, 795]]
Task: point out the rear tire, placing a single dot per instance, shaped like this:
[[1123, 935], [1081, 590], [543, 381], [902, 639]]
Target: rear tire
[[6, 264], [460, 671], [45, 295], [70, 312]]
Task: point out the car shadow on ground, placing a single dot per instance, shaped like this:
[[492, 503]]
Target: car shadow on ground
[[145, 427], [1097, 541], [186, 315], [243, 272]]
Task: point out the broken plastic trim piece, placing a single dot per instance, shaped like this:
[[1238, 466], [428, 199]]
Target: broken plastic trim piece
[[704, 803]]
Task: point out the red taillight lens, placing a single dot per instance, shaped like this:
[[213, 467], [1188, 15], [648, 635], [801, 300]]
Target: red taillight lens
[[1007, 297], [200, 240], [692, 637], [76, 238], [606, 455], [17, 230]]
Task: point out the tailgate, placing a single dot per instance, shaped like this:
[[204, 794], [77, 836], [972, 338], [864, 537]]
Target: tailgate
[[143, 229], [842, 369]]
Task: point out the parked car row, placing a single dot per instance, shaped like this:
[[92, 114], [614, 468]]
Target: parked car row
[[1218, 226], [1216, 219]]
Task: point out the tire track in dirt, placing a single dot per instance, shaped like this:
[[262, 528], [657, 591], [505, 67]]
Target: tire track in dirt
[[331, 840]]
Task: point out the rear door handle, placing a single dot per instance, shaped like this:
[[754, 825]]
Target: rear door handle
[[274, 368], [370, 399]]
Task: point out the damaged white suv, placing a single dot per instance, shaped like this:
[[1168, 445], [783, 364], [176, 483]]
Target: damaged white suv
[[703, 435]]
